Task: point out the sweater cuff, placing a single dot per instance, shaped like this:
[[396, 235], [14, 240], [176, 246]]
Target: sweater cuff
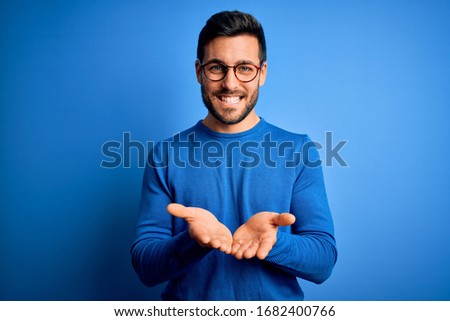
[[281, 248]]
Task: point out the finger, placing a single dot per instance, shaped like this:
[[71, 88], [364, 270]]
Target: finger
[[178, 210], [225, 246], [221, 242], [284, 219], [204, 240], [240, 253], [235, 246], [215, 243], [221, 245], [264, 248], [251, 251], [226, 249]]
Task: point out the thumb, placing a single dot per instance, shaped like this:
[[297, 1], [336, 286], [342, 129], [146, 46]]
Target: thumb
[[178, 210], [283, 219]]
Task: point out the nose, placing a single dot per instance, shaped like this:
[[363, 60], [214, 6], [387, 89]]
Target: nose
[[230, 82]]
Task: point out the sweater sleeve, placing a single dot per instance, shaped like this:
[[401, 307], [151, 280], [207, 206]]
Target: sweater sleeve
[[157, 254], [309, 250]]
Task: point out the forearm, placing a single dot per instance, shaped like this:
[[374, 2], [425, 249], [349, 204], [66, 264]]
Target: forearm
[[310, 256], [159, 260], [308, 250]]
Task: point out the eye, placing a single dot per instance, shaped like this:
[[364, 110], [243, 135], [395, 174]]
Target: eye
[[245, 69], [216, 68]]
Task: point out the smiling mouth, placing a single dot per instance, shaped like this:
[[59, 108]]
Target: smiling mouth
[[230, 100]]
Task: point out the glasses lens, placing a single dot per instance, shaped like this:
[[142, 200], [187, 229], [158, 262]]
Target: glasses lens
[[246, 72], [215, 71]]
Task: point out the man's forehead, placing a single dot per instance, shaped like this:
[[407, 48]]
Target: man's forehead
[[236, 48]]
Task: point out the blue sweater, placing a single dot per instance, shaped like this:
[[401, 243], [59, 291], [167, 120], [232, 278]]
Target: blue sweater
[[234, 176]]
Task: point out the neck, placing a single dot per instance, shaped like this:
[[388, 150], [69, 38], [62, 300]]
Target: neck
[[249, 122]]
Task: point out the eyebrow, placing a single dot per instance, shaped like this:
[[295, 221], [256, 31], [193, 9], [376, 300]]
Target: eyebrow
[[239, 62]]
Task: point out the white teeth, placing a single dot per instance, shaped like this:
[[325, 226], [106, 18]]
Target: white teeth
[[231, 100]]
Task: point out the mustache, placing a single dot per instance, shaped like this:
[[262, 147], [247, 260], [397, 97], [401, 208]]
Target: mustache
[[229, 93]]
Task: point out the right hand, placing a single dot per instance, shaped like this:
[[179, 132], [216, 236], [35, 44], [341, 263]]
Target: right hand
[[204, 227]]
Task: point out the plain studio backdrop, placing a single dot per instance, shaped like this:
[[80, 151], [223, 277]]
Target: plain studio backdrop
[[78, 74]]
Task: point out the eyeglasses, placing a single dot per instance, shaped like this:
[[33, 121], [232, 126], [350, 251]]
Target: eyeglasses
[[216, 71]]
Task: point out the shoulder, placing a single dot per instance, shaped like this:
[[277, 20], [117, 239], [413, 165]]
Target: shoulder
[[185, 135], [193, 130], [280, 134], [160, 150]]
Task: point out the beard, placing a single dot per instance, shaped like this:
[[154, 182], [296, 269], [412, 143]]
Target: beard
[[226, 117]]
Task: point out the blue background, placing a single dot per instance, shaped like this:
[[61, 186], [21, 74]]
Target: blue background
[[76, 74]]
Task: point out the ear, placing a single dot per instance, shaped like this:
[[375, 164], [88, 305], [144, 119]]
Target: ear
[[198, 71], [263, 74]]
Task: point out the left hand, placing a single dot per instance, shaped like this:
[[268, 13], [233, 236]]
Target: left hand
[[258, 235]]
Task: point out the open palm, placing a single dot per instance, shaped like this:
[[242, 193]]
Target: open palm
[[204, 227], [258, 235]]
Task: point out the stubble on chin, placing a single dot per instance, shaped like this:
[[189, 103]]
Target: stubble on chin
[[226, 117]]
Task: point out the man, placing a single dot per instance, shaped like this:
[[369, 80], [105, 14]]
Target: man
[[233, 208]]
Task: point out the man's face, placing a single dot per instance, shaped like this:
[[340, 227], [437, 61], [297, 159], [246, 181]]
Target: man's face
[[229, 100]]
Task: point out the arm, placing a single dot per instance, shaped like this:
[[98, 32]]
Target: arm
[[308, 251], [157, 254]]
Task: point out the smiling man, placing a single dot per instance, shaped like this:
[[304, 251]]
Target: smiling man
[[233, 208]]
